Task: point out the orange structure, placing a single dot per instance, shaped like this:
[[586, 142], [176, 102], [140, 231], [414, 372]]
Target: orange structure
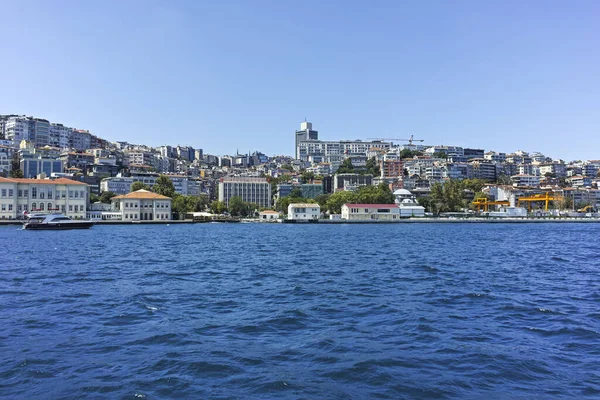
[[538, 198], [485, 203]]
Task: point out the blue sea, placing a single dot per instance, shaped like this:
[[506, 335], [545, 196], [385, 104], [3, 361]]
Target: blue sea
[[278, 311]]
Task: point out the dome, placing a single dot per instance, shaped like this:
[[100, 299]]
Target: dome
[[402, 192]]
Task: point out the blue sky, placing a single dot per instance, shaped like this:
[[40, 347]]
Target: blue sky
[[223, 75]]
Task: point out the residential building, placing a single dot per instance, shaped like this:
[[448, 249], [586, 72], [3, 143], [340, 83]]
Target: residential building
[[580, 181], [251, 190], [142, 205], [482, 168], [81, 140], [525, 180], [42, 195], [304, 211]]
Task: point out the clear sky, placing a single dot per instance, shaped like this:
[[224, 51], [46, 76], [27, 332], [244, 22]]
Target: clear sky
[[242, 74]]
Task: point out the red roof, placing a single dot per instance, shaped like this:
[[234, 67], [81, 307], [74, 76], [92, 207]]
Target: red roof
[[59, 181], [372, 205]]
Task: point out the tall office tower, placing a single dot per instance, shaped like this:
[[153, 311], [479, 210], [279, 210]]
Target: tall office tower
[[305, 133]]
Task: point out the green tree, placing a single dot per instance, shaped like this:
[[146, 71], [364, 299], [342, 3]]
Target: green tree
[[380, 194], [426, 202], [338, 199], [448, 197], [217, 207], [15, 173], [179, 207], [164, 186], [296, 192], [373, 167], [135, 186], [237, 206], [440, 154], [322, 200], [307, 177], [346, 167], [406, 153], [106, 196], [94, 198]]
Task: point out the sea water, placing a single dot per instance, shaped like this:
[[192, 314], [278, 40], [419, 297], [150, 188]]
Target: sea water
[[260, 311]]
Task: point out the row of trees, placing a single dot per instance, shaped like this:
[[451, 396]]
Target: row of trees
[[371, 167], [451, 195]]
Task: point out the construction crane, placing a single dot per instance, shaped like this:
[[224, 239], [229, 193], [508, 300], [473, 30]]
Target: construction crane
[[538, 198], [486, 203], [410, 141]]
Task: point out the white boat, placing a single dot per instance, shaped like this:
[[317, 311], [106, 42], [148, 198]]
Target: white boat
[[55, 221]]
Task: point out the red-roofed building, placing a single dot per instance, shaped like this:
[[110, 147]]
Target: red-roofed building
[[19, 195]]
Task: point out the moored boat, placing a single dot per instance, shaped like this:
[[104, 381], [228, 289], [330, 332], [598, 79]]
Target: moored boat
[[55, 221]]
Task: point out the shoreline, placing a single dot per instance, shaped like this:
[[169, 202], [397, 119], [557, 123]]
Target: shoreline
[[353, 222]]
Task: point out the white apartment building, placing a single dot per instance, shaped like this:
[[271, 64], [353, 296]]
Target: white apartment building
[[142, 205], [524, 180], [304, 211], [319, 151], [42, 196], [60, 135], [251, 190]]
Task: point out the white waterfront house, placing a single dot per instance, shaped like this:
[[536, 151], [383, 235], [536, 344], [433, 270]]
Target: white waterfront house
[[268, 215], [18, 195], [407, 204], [142, 205], [304, 211], [372, 212]]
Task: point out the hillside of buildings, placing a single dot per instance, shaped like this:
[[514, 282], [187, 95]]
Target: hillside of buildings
[[327, 172]]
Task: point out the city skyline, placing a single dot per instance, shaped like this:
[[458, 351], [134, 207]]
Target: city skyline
[[244, 75]]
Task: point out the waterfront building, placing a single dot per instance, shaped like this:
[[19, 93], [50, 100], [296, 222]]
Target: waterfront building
[[407, 204], [304, 211], [371, 212], [391, 168], [142, 205], [268, 215], [251, 190], [42, 195]]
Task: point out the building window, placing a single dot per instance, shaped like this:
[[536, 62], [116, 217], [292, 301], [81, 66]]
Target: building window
[[76, 194], [33, 206], [49, 206], [33, 193], [10, 207], [42, 206], [3, 207], [41, 194], [20, 193], [70, 194], [3, 192], [10, 193]]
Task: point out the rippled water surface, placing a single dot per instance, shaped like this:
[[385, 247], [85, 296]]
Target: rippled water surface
[[260, 311]]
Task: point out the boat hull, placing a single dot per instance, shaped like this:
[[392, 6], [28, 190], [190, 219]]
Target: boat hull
[[59, 226]]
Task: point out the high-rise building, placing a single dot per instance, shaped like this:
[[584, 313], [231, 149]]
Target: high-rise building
[[305, 133]]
